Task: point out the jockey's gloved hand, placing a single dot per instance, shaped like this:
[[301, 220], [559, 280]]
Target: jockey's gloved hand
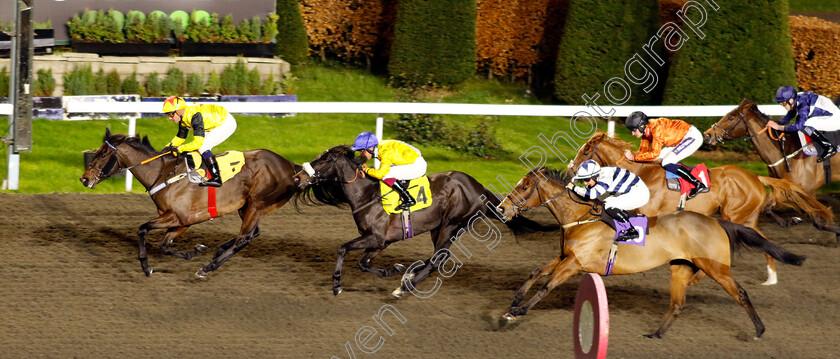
[[172, 149]]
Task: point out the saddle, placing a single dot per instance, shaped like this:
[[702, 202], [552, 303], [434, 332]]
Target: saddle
[[419, 188], [230, 163], [676, 183], [638, 221]]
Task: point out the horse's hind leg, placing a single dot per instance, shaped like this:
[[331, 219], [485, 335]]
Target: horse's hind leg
[[370, 254], [248, 231], [166, 220], [171, 235], [722, 275], [562, 272], [681, 274]]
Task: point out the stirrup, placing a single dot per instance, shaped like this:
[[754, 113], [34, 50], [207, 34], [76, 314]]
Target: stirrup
[[211, 183], [828, 154], [628, 235]]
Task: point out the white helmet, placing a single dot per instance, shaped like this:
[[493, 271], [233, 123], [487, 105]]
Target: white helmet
[[587, 170]]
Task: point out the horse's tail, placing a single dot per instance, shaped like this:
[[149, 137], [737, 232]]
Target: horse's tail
[[517, 224], [790, 194], [742, 236]]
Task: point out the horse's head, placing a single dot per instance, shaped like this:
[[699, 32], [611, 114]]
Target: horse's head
[[105, 163], [338, 164], [531, 191], [602, 149], [731, 126]]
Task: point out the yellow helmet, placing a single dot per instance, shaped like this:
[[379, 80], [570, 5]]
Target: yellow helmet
[[173, 103]]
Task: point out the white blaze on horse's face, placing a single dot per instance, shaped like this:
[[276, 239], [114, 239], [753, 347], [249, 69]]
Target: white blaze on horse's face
[[308, 169]]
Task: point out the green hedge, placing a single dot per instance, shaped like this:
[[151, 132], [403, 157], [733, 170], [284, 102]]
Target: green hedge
[[600, 36], [434, 42], [292, 43], [747, 53]]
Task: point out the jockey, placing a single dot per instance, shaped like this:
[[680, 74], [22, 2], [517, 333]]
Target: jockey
[[814, 114], [626, 192], [211, 125], [670, 140], [399, 161]]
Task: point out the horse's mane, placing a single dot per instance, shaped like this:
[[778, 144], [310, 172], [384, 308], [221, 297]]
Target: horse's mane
[[133, 141], [555, 175], [600, 136], [330, 193], [754, 109]]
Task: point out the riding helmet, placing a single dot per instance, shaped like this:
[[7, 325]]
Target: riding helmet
[[784, 93], [173, 103], [636, 121], [587, 170], [364, 140]]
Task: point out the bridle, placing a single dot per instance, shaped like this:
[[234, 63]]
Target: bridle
[[106, 171], [780, 139], [535, 188], [315, 177]]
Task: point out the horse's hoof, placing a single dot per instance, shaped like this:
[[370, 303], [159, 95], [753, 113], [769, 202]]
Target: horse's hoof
[[508, 317], [398, 293], [337, 291], [149, 273], [399, 267], [796, 220], [201, 248], [654, 335], [201, 274]]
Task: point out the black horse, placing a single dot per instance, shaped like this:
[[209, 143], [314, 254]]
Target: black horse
[[336, 178]]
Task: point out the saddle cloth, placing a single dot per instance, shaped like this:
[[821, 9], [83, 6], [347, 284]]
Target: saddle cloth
[[230, 163], [675, 183], [418, 188], [640, 222]]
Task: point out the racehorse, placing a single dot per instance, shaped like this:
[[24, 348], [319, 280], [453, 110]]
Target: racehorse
[[335, 177], [773, 147], [738, 195], [688, 241], [263, 185]]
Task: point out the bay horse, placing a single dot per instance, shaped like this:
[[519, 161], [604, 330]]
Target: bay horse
[[738, 195], [336, 178], [263, 185], [688, 241], [747, 121]]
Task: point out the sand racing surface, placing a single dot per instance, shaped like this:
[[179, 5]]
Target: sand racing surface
[[71, 287]]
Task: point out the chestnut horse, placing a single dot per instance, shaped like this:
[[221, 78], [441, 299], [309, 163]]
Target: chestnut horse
[[688, 241], [335, 177], [264, 184], [739, 195], [747, 121]]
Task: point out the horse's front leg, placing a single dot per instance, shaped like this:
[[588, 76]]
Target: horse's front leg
[[363, 242], [820, 223], [535, 275], [167, 220], [784, 223], [171, 235], [568, 267]]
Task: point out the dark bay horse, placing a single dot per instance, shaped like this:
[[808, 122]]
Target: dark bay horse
[[459, 201], [747, 121], [687, 241], [738, 195], [264, 184]]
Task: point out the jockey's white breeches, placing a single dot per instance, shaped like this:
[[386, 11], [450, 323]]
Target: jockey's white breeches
[[690, 143], [219, 134]]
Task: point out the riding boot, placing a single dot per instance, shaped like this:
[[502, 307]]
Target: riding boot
[[621, 216], [684, 173], [407, 200], [215, 178], [828, 149]]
